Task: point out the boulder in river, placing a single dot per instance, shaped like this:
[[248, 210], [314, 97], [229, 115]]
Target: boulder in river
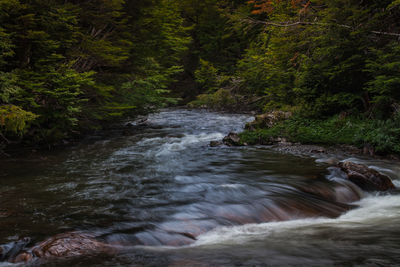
[[366, 178], [140, 121], [216, 143], [64, 245], [10, 250], [232, 139]]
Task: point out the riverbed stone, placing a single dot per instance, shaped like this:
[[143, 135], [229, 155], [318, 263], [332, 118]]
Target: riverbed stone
[[366, 178], [216, 143], [64, 245], [12, 249], [232, 139]]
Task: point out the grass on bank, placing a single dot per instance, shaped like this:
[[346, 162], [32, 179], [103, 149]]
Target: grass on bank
[[383, 135]]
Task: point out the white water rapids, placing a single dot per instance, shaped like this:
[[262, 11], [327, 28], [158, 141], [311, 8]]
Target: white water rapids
[[169, 199]]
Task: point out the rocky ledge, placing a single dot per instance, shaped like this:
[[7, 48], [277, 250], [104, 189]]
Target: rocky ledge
[[59, 246], [366, 178]]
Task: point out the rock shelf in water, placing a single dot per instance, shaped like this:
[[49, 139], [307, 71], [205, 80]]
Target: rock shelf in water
[[321, 200]]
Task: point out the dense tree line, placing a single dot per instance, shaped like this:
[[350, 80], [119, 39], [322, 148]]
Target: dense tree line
[[68, 66], [317, 59], [326, 56]]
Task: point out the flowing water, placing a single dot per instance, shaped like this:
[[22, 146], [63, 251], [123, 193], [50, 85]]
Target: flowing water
[[166, 198]]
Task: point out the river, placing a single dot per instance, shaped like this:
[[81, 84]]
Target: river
[[169, 199]]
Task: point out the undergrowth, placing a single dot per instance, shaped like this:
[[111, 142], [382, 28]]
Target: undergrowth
[[383, 135]]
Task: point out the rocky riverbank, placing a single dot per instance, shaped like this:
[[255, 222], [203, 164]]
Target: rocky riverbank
[[164, 187], [284, 132], [332, 202]]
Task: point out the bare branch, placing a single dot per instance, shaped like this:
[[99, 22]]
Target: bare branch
[[4, 153], [386, 33], [4, 138], [291, 24]]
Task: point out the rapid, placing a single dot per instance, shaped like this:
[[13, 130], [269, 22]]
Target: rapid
[[164, 197]]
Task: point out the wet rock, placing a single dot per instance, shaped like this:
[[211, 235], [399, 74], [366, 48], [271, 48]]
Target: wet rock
[[159, 238], [5, 213], [330, 161], [368, 150], [342, 192], [188, 228], [313, 208], [140, 121], [366, 178], [64, 245], [318, 150], [11, 250], [232, 139], [268, 120], [133, 126], [216, 143], [299, 149], [347, 193], [394, 157], [278, 140]]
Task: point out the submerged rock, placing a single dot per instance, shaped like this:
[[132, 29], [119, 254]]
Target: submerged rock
[[64, 245], [11, 250], [216, 143], [232, 139], [331, 161], [366, 178], [140, 121]]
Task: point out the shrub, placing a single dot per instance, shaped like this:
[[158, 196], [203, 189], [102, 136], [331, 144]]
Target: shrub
[[384, 136]]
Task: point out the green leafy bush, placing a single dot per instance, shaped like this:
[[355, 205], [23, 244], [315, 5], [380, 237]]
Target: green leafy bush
[[384, 136], [221, 99], [14, 119], [207, 76]]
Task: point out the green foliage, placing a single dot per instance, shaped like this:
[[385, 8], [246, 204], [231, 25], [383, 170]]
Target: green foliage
[[385, 83], [78, 64], [150, 92], [216, 38], [6, 47], [8, 86], [382, 135], [222, 99], [306, 131], [394, 4], [333, 62], [14, 119], [166, 36], [207, 76], [254, 69], [56, 95]]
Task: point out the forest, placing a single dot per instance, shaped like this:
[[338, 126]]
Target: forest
[[71, 67], [199, 133]]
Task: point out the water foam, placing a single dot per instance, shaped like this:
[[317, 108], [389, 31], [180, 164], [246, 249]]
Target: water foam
[[396, 183], [372, 210], [384, 166], [178, 144]]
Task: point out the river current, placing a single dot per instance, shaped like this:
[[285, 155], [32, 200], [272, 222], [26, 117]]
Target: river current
[[166, 198]]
